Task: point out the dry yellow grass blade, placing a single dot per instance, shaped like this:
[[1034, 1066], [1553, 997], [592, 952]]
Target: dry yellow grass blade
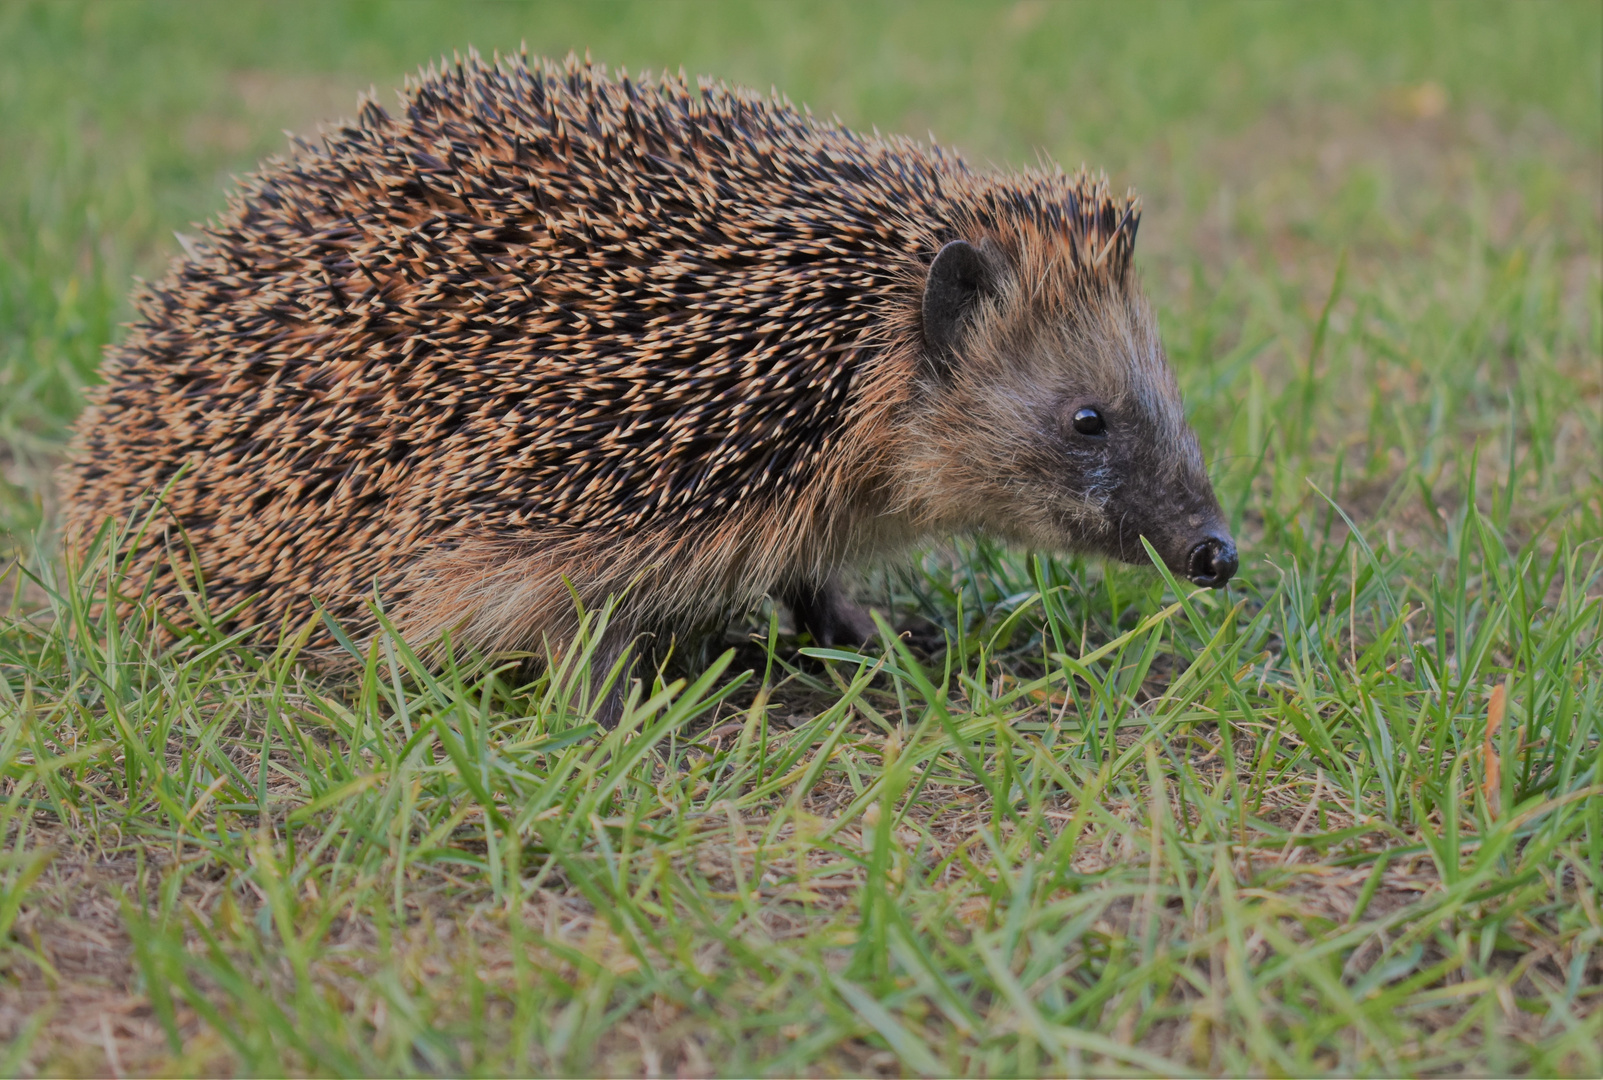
[[1491, 764]]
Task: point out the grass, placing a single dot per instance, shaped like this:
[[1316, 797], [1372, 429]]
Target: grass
[[1345, 818]]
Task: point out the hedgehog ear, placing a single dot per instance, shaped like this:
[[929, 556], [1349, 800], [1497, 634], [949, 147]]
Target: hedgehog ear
[[958, 278]]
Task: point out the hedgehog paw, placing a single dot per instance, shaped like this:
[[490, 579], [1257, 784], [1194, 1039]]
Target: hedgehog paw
[[827, 613]]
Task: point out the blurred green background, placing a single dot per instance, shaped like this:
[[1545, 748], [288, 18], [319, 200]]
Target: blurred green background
[[1269, 137]]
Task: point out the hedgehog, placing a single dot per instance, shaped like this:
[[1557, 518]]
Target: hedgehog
[[552, 337]]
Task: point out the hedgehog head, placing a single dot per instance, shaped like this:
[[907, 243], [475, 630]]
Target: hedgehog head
[[1047, 411]]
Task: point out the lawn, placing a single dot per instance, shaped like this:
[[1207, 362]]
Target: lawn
[[1343, 818]]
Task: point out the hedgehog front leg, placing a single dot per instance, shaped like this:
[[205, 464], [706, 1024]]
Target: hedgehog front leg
[[609, 704], [825, 611]]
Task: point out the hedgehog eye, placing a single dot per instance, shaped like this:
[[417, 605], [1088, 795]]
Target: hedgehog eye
[[1089, 422]]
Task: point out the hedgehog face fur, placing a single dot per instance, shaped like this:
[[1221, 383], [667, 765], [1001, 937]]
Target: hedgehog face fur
[[1051, 416], [549, 331]]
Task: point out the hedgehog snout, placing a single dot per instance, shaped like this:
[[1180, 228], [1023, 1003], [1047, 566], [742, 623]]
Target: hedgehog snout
[[1212, 562]]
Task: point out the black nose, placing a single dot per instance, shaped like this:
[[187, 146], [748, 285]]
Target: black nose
[[1212, 562]]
